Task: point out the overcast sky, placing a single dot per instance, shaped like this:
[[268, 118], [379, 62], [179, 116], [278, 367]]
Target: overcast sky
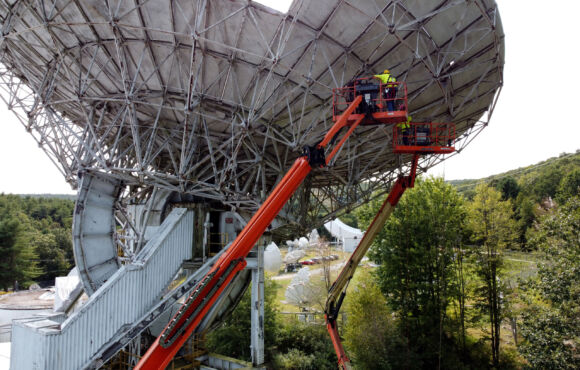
[[534, 118]]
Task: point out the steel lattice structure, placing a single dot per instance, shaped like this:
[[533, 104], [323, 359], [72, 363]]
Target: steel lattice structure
[[216, 98]]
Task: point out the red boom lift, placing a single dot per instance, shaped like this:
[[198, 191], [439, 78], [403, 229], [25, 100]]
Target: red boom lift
[[352, 105]]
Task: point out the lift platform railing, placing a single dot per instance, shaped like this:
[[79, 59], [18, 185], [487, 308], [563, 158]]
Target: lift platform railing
[[377, 97], [424, 138]]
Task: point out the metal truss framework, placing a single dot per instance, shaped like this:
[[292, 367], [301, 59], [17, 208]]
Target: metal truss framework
[[217, 98]]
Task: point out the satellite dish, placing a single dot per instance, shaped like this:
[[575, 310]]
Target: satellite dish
[[217, 100]]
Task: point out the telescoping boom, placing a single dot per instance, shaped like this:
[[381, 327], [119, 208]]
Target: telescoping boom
[[417, 139], [408, 138], [337, 291], [233, 260]]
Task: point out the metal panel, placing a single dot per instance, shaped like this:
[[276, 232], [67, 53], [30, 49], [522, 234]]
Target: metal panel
[[121, 300], [93, 225]]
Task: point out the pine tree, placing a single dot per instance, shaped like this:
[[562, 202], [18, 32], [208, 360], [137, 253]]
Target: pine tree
[[17, 257]]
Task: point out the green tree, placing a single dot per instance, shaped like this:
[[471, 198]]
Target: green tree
[[303, 346], [416, 252], [52, 257], [508, 187], [295, 359], [569, 186], [8, 233], [371, 335], [350, 219], [551, 325], [493, 229], [525, 214], [43, 234], [63, 239], [546, 183], [18, 265]]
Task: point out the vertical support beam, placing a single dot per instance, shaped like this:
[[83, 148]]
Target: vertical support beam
[[134, 350], [200, 231], [257, 309]]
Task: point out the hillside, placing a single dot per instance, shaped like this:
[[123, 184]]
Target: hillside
[[539, 180]]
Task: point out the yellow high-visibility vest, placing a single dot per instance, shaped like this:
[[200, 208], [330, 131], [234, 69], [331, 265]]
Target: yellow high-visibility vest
[[386, 78], [406, 124]]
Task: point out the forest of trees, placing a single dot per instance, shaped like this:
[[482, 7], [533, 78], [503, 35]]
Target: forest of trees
[[35, 240], [451, 298]]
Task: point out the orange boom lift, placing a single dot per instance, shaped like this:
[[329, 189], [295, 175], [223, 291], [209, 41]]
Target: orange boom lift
[[418, 138], [233, 260], [351, 107]]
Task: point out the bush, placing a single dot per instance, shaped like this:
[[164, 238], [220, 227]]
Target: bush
[[295, 340], [294, 359]]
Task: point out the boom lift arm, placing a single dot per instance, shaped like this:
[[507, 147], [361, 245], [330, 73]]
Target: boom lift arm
[[337, 291], [233, 260]]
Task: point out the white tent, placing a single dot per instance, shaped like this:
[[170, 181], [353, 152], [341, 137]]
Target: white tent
[[348, 235]]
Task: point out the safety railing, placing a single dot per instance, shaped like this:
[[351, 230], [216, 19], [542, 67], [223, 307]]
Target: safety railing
[[435, 137], [377, 97]]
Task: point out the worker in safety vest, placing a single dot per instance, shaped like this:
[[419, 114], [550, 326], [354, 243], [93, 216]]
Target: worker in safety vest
[[390, 89], [404, 128]]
